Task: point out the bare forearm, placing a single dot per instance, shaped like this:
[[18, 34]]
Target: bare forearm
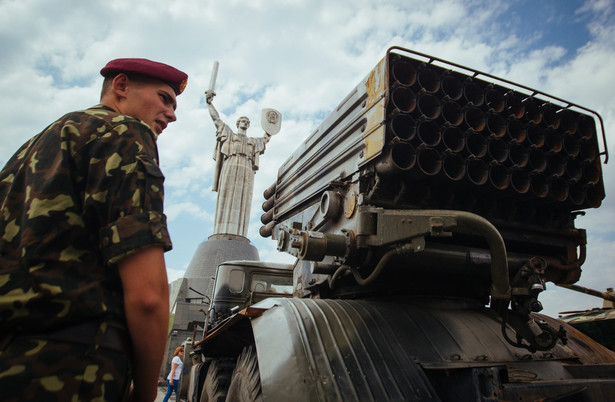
[[146, 299]]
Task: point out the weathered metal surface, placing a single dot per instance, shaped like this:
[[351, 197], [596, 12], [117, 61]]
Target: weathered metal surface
[[401, 349]]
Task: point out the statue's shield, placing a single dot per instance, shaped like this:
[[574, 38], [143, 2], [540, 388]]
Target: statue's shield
[[271, 121]]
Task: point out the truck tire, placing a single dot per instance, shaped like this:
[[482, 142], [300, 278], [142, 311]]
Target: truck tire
[[217, 380], [246, 381]]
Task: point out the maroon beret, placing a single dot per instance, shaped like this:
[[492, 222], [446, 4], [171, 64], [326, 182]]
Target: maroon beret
[[172, 76]]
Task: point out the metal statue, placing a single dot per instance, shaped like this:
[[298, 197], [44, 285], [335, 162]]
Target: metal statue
[[237, 160]]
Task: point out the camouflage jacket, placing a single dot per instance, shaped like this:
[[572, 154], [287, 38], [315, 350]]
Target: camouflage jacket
[[74, 200]]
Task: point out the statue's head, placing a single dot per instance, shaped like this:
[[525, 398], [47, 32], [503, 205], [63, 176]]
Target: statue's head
[[243, 122]]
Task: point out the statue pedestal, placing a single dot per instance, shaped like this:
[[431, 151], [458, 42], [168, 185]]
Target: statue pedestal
[[218, 248]]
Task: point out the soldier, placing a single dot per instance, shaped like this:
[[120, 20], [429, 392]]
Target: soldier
[[83, 285]]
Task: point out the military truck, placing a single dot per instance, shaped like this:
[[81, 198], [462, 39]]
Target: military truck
[[426, 213]]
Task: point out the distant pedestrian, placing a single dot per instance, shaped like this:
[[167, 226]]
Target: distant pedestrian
[[177, 365]]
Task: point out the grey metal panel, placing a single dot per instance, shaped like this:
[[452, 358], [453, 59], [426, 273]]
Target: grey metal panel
[[349, 137]]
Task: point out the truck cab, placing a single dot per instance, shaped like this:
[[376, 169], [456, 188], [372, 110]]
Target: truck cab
[[240, 284]]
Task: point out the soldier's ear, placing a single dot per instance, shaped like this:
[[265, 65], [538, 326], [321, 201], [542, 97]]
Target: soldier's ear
[[120, 85]]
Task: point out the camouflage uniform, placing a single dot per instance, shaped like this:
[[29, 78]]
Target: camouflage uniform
[[74, 200]]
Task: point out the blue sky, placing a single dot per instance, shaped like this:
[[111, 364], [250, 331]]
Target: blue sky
[[301, 57]]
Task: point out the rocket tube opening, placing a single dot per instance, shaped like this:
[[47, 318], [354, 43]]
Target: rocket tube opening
[[429, 161], [400, 156], [475, 119], [537, 160], [454, 167], [520, 181], [499, 176], [568, 121], [452, 113], [590, 173], [404, 99], [572, 146], [477, 172], [476, 145], [577, 193], [559, 189], [539, 185], [403, 127], [553, 140], [586, 127], [429, 106], [535, 136], [429, 133], [518, 155], [404, 73], [533, 112], [514, 106], [587, 151], [574, 169], [429, 80], [453, 139], [556, 165], [452, 87], [473, 93], [549, 116], [497, 150], [496, 125], [516, 130], [495, 100]]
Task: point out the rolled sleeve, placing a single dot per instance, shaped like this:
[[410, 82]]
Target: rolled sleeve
[[131, 233]]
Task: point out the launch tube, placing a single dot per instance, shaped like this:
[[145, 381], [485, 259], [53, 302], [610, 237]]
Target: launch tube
[[473, 93], [400, 156], [451, 87], [574, 169], [475, 118], [476, 145], [518, 154], [559, 189], [553, 140], [452, 113], [499, 176], [549, 116], [495, 100], [535, 136], [497, 150], [572, 146], [453, 139], [477, 171], [586, 127], [403, 127], [404, 99], [577, 193], [429, 80], [568, 122], [404, 73], [429, 161], [515, 130], [520, 181], [429, 133], [533, 113], [454, 166], [428, 106], [539, 185], [537, 161], [514, 106], [496, 125], [590, 173]]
